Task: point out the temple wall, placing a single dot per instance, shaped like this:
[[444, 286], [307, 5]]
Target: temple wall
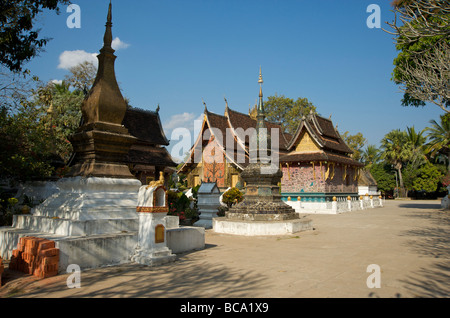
[[306, 178], [302, 179]]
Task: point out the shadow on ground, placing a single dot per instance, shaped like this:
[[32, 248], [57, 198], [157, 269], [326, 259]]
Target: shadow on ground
[[426, 206], [432, 240], [180, 279]]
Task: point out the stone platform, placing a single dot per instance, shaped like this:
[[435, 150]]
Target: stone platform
[[243, 227]]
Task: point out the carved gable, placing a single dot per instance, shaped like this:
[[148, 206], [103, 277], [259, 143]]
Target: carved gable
[[306, 143]]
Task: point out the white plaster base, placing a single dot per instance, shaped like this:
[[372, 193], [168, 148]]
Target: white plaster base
[[153, 258], [148, 251], [260, 228], [92, 220], [91, 198]]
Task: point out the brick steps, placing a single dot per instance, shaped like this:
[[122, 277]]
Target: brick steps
[[35, 256]]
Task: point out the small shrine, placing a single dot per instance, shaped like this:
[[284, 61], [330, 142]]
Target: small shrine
[[152, 208], [208, 203], [261, 212]]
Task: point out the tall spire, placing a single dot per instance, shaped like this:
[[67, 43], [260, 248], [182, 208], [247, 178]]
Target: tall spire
[[107, 38], [105, 102], [260, 105], [263, 138], [102, 143]]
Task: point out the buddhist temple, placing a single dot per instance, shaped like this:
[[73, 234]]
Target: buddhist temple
[[214, 158], [318, 165]]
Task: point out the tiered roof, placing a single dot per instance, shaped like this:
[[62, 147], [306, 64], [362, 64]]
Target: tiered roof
[[329, 145], [148, 151], [233, 120]]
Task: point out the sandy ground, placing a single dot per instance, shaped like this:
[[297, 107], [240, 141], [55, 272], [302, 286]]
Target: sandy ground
[[408, 240]]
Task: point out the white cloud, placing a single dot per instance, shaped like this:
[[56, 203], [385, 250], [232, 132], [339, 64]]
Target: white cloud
[[184, 120], [69, 59], [117, 44], [55, 81]]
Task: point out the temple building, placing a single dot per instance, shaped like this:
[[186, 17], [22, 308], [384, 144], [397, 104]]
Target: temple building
[[216, 158], [316, 162], [318, 165], [148, 156]]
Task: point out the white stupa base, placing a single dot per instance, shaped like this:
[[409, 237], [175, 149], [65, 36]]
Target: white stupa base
[[260, 228], [153, 258]]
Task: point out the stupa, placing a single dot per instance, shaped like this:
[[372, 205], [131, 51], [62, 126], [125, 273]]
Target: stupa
[[261, 212], [92, 218]]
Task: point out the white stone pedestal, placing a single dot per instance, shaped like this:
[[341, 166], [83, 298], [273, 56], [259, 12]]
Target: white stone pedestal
[[92, 220]]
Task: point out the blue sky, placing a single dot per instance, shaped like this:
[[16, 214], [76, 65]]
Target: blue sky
[[176, 52]]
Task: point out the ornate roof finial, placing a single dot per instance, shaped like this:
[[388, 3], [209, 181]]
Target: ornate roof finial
[[157, 108], [260, 81], [204, 104], [226, 102], [260, 105]]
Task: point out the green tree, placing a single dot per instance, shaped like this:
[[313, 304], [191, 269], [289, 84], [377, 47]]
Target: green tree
[[284, 110], [396, 151], [384, 176], [439, 138], [19, 41], [416, 141], [370, 155], [35, 133], [426, 178], [355, 142], [422, 67], [82, 76], [60, 113]]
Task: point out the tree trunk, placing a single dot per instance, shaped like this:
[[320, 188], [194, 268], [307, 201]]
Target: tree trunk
[[400, 180]]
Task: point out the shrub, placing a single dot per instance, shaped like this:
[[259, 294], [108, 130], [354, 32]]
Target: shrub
[[232, 196]]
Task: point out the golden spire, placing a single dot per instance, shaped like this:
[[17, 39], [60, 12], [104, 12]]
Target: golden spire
[[260, 105], [107, 38], [105, 102]]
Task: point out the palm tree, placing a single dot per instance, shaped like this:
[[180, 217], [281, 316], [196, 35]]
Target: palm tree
[[439, 136], [370, 155], [417, 144], [396, 150]]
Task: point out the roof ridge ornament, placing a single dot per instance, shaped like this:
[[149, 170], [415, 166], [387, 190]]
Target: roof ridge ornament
[[204, 105]]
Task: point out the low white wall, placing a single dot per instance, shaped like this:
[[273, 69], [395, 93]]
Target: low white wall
[[186, 238]]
